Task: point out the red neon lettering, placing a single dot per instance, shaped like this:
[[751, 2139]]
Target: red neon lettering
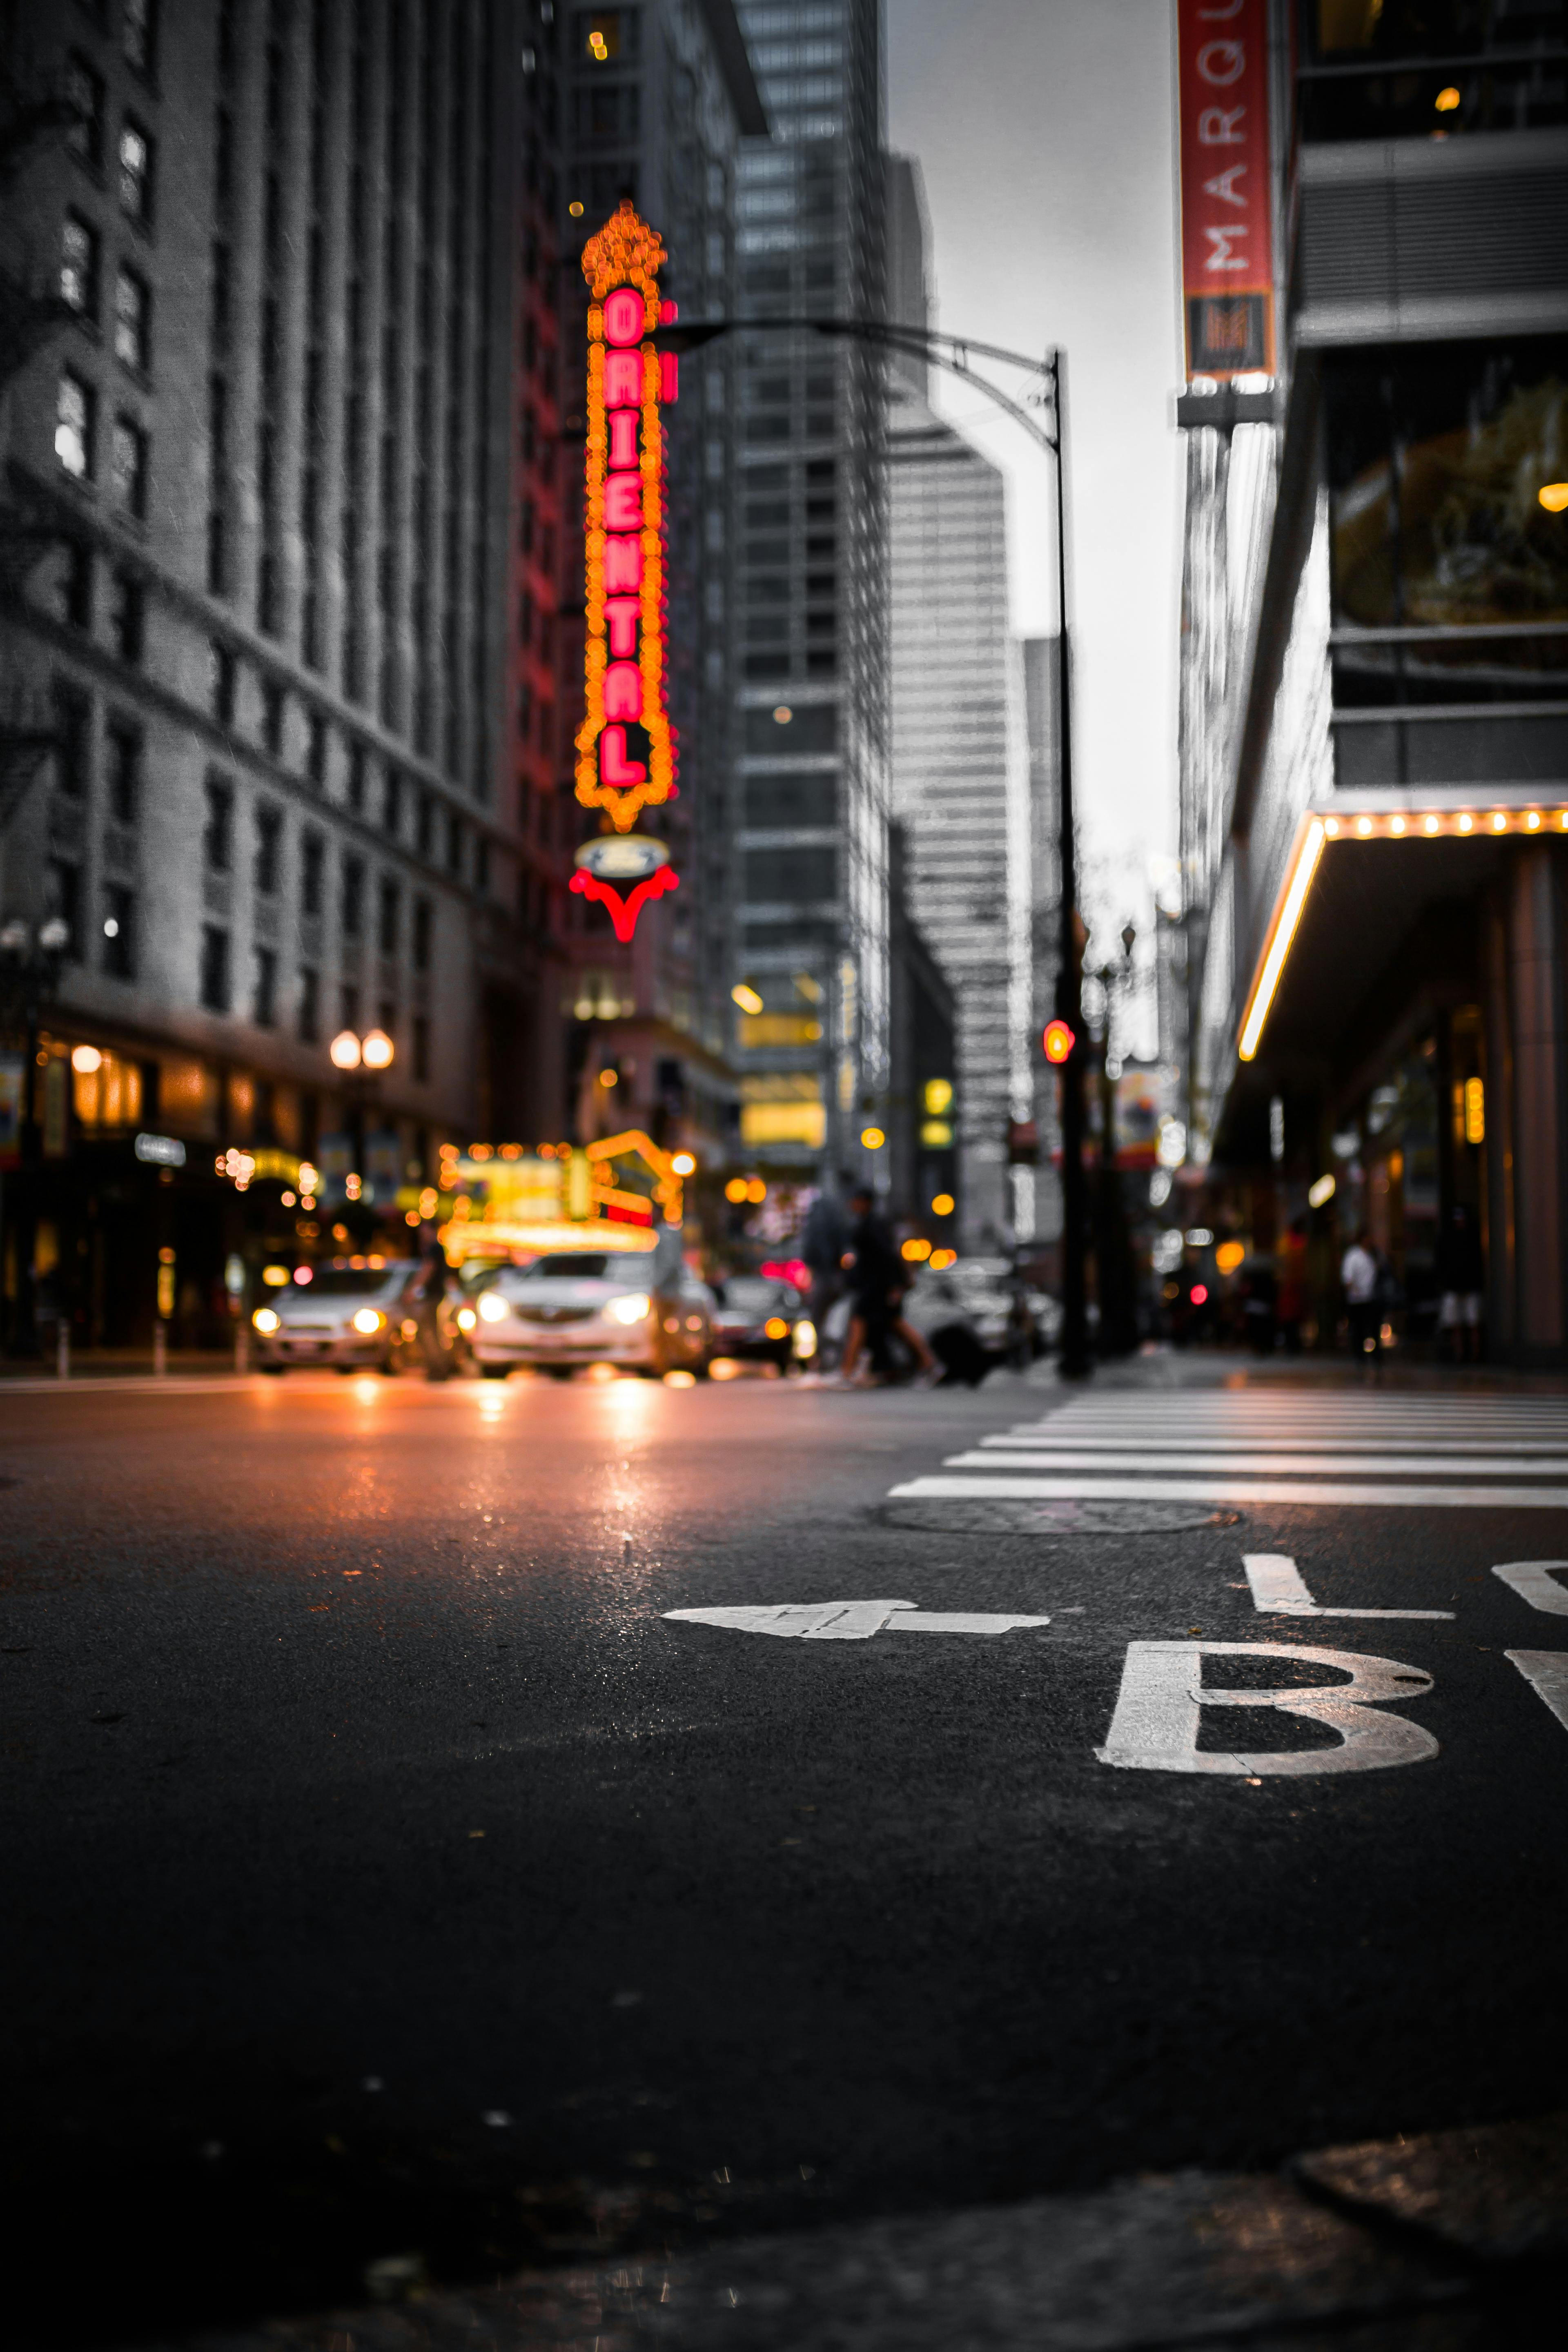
[[623, 437], [623, 691], [624, 912], [623, 502], [624, 315], [623, 566], [621, 617], [668, 374], [615, 768], [623, 379]]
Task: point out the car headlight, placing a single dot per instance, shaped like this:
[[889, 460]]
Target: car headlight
[[804, 1338], [466, 1318], [493, 1308], [367, 1321], [265, 1319], [630, 1309]]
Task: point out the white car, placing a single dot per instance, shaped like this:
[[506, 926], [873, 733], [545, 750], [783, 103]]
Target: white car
[[592, 1307], [350, 1316]]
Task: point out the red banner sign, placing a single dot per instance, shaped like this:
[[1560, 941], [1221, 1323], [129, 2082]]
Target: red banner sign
[[1228, 245]]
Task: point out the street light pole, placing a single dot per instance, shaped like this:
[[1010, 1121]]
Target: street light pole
[[1076, 1362]]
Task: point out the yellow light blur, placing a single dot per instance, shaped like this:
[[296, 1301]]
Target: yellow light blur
[[609, 1077], [602, 1372], [1320, 1193], [265, 1319], [1396, 824], [756, 1191], [1447, 100], [942, 1258], [1532, 821], [630, 1309], [85, 1059], [805, 1342], [378, 1051], [1499, 822], [275, 1276], [575, 209], [1553, 496], [775, 1328], [1279, 946], [1332, 827], [367, 1321], [1467, 823], [1228, 1256], [344, 1051], [872, 1137], [492, 1307], [1364, 827], [938, 1095], [680, 1380], [943, 1205], [1429, 825], [724, 1368], [735, 1190], [916, 1251], [683, 1164], [746, 997], [466, 1318], [1475, 1111]]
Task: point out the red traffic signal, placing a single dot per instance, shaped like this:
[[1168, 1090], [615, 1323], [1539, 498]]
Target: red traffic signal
[[1058, 1040]]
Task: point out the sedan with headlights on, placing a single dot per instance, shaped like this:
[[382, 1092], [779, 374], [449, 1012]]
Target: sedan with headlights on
[[759, 1316], [592, 1307], [351, 1314]]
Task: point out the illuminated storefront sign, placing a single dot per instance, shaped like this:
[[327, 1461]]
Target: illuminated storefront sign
[[625, 746], [1227, 243]]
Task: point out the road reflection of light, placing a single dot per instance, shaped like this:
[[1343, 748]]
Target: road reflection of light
[[493, 1399], [680, 1380], [367, 1390]]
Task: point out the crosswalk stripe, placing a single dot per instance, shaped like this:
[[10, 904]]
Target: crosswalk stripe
[[1386, 1465], [1438, 1448], [1222, 1489]]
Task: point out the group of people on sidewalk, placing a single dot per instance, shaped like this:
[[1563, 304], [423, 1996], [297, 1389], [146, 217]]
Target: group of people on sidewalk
[[847, 1246], [1372, 1290]]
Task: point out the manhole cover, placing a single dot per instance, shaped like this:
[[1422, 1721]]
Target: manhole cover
[[1066, 1517]]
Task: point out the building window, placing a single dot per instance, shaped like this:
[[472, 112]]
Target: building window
[[79, 266], [392, 802], [119, 932], [125, 773], [128, 466], [350, 910], [425, 830], [73, 739], [272, 713], [76, 586], [313, 863], [356, 779], [269, 850], [126, 616], [84, 91], [348, 1006], [138, 28], [422, 925], [482, 866], [64, 895], [389, 911], [421, 1049], [135, 173], [454, 841], [316, 749], [310, 1005], [217, 834], [214, 968], [222, 673], [264, 1008], [74, 405], [133, 320]]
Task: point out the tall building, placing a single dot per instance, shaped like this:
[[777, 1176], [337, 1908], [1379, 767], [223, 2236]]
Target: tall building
[[958, 786], [260, 500], [655, 99], [1375, 752], [811, 821]]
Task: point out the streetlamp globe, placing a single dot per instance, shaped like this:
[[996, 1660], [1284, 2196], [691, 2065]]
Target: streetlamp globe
[[345, 1050], [376, 1050]]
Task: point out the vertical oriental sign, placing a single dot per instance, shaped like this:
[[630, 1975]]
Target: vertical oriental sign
[[1227, 246]]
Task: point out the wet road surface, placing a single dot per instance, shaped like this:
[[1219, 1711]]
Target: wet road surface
[[389, 1877]]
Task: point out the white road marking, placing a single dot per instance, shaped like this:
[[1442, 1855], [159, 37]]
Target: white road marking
[[1279, 1589], [1440, 1448], [1222, 1489], [849, 1621], [1546, 1672], [1535, 1580], [1158, 1708], [1441, 1461]]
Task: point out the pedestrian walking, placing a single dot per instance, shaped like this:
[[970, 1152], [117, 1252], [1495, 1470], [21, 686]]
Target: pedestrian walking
[[1359, 1277], [824, 1238], [1461, 1277], [877, 1285], [430, 1289]]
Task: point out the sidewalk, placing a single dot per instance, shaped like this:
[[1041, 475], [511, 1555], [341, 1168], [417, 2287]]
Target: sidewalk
[[1450, 2241], [1158, 1365]]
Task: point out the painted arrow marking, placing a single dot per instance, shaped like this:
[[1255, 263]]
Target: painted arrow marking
[[849, 1620], [1279, 1589]]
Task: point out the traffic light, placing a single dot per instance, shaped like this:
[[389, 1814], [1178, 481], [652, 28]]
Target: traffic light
[[1058, 1040]]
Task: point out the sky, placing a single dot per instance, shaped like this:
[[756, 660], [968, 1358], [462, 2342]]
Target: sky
[[1044, 132]]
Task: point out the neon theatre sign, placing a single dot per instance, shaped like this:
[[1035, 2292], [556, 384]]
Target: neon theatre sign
[[625, 746]]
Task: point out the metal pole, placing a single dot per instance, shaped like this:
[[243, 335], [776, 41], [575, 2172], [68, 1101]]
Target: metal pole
[[1076, 1363]]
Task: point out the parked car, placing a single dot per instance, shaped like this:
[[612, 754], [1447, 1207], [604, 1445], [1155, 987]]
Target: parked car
[[974, 1315], [757, 1316], [354, 1315], [587, 1307]]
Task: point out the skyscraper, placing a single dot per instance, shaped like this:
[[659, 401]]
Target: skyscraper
[[812, 816]]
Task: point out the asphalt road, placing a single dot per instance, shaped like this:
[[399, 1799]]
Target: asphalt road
[[387, 1877]]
